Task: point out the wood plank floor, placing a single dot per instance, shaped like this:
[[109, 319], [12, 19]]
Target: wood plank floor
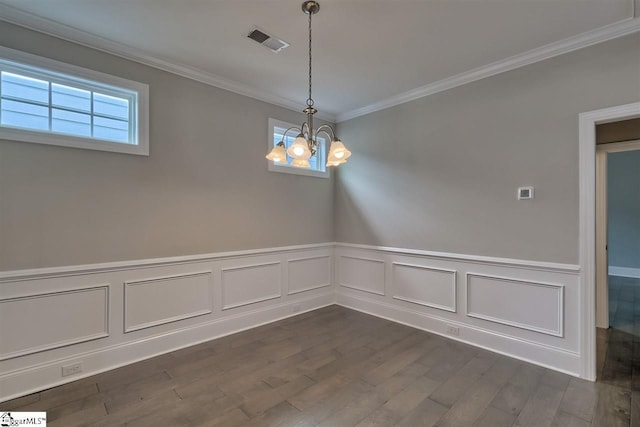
[[619, 351], [331, 367]]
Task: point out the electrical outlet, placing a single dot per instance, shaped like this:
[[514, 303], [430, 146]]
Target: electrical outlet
[[453, 330], [72, 369], [295, 308]]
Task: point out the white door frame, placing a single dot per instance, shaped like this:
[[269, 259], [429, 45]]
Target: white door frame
[[587, 176], [602, 263]]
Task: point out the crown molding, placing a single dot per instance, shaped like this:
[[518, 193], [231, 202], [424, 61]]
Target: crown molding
[[589, 38], [56, 29], [65, 32]]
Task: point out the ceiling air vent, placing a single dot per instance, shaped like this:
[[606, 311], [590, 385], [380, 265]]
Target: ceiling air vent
[[273, 43]]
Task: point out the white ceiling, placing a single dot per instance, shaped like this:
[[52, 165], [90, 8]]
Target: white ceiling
[[365, 51]]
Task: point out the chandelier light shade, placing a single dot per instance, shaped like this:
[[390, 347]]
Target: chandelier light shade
[[278, 154], [300, 149], [301, 163], [338, 152], [306, 143]]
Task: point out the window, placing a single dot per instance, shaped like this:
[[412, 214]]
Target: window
[[49, 102], [318, 162]]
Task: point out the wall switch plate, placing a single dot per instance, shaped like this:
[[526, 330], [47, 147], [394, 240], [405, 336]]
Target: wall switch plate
[[525, 193], [453, 330], [72, 369]]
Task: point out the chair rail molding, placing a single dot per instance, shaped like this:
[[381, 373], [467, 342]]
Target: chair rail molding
[[115, 325], [234, 291]]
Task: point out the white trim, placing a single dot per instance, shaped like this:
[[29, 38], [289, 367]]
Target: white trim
[[560, 288], [617, 147], [65, 32], [540, 354], [358, 288], [602, 288], [587, 158], [56, 29], [254, 300], [322, 285], [454, 286], [130, 283], [518, 263], [586, 39], [624, 272], [20, 382], [78, 340], [97, 79], [75, 270], [35, 373]]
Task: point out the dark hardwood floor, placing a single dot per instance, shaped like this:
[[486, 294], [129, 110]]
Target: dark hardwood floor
[[333, 367], [619, 348]]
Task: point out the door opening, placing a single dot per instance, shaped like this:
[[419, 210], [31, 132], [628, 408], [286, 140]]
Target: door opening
[[587, 162]]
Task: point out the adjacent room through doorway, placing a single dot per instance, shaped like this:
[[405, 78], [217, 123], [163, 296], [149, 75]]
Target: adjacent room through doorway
[[618, 253]]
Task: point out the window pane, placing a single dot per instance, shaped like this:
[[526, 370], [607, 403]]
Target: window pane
[[70, 98], [110, 106], [313, 161], [24, 115], [114, 130], [24, 88], [72, 123]]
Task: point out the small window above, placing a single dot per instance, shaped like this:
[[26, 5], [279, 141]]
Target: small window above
[[318, 168], [49, 102]]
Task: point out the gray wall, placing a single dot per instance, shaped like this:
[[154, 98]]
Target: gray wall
[[441, 173], [204, 188], [623, 208]]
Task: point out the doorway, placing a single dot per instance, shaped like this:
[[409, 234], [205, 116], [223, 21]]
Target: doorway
[[587, 256], [618, 251]]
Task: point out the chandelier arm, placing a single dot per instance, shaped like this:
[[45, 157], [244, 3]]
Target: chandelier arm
[[309, 135], [284, 134], [330, 134]]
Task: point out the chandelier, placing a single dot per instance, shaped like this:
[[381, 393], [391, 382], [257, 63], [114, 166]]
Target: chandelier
[[306, 143]]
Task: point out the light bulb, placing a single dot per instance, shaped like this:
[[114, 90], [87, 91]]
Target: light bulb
[[339, 154], [298, 151]]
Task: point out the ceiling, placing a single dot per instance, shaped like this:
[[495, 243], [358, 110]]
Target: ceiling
[[364, 51]]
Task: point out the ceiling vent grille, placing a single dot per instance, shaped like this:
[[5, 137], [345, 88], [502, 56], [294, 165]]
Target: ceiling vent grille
[[272, 43]]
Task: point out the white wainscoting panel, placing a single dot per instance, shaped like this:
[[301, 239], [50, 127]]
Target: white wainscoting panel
[[306, 274], [67, 311], [156, 301], [45, 321], [428, 286], [524, 304], [363, 274], [525, 309], [250, 284], [52, 317]]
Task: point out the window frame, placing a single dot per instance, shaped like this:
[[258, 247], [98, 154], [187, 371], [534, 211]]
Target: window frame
[[85, 79], [274, 167]]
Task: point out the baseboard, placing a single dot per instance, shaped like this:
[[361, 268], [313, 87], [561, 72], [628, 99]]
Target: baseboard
[[100, 314], [204, 297], [535, 353], [37, 378], [524, 309], [624, 272]]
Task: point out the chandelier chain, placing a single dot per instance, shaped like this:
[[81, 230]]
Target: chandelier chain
[[310, 100]]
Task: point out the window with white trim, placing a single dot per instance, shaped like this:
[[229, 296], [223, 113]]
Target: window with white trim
[[49, 102], [318, 161]]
